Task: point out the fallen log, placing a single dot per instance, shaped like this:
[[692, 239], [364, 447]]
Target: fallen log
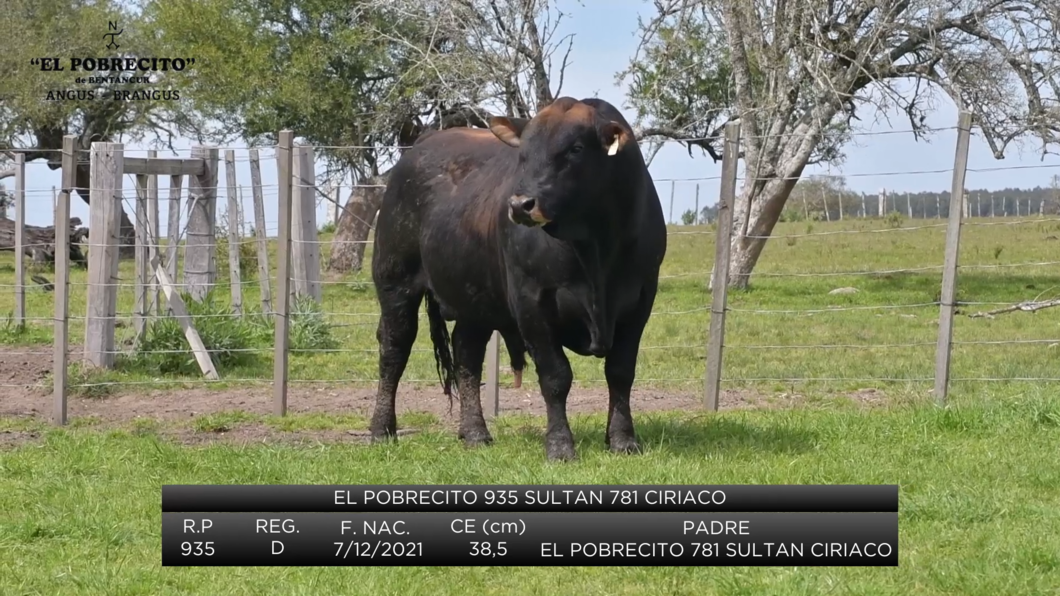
[[40, 242]]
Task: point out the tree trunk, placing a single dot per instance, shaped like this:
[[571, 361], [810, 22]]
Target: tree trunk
[[355, 221], [759, 207]]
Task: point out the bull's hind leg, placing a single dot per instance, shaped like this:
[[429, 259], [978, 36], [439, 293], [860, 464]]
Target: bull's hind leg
[[469, 349], [398, 324]]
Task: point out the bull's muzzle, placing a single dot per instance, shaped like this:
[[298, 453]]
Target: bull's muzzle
[[525, 211]]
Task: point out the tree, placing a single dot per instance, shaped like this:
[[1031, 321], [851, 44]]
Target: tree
[[796, 76], [34, 117], [479, 57], [358, 79]]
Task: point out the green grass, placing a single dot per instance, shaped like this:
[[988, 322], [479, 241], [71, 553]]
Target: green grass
[[980, 488], [979, 511]]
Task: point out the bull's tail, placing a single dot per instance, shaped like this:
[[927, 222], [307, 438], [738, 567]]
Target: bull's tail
[[443, 355]]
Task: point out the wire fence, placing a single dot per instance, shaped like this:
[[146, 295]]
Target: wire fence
[[852, 305]]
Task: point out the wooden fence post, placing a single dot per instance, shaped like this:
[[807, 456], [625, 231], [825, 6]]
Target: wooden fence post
[[234, 239], [62, 281], [284, 159], [155, 237], [107, 165], [305, 247], [722, 249], [672, 187], [944, 347], [493, 365], [20, 238], [260, 232], [200, 260], [695, 220], [173, 227], [140, 225]]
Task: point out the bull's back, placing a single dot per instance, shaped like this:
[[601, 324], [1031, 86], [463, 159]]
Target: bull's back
[[439, 216], [452, 170]]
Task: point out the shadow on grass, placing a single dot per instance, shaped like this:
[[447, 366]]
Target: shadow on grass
[[692, 437], [703, 435]]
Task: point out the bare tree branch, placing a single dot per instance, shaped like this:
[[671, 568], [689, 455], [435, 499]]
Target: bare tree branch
[[797, 76]]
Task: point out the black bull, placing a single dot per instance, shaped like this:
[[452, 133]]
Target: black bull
[[548, 230]]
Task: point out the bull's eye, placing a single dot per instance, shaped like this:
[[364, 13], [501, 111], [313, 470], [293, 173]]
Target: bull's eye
[[575, 148]]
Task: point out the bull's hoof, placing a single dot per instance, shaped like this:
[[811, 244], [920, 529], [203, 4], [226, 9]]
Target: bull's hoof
[[560, 450], [624, 445], [383, 436], [383, 431], [476, 437]]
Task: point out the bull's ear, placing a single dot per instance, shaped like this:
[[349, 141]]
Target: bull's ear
[[614, 136], [508, 129]]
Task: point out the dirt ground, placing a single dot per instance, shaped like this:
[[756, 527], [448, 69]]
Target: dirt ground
[[22, 395]]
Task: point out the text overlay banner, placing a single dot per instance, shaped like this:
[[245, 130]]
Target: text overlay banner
[[383, 498], [534, 538]]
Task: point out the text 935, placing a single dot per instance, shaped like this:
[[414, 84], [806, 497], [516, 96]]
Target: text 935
[[196, 549]]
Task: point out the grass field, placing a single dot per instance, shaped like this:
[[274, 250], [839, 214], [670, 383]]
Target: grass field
[[980, 488]]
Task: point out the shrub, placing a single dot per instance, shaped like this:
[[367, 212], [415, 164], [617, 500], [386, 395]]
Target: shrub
[[894, 219], [309, 329], [230, 339]]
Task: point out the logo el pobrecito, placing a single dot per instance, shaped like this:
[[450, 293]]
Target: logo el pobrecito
[[115, 78], [113, 44]]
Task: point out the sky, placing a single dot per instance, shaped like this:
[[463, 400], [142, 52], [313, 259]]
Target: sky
[[604, 41]]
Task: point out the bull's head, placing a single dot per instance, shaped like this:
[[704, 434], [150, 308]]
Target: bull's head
[[566, 155]]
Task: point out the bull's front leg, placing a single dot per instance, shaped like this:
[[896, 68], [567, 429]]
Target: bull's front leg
[[555, 377], [620, 370]]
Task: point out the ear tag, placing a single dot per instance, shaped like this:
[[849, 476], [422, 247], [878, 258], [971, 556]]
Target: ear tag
[[613, 149]]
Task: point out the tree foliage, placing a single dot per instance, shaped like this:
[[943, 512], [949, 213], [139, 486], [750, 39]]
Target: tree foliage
[[65, 29], [798, 76], [358, 79], [34, 117]]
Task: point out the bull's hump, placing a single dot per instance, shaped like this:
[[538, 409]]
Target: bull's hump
[[463, 135]]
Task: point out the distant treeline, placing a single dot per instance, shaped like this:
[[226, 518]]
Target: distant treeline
[[1009, 202], [817, 199]]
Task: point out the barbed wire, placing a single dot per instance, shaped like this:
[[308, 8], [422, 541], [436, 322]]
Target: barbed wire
[[384, 147], [577, 382], [668, 341], [966, 222]]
